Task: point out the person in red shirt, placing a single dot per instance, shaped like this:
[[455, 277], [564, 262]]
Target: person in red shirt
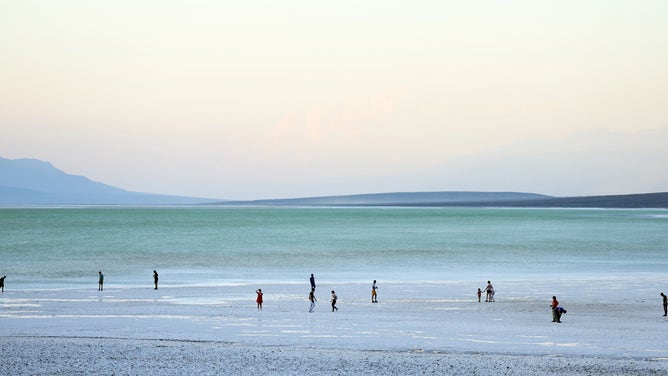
[[554, 305], [259, 299]]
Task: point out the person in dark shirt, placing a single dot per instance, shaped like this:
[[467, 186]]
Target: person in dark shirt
[[312, 299], [100, 282], [334, 297], [490, 292], [560, 311]]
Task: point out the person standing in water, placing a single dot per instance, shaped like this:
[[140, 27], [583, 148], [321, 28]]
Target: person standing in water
[[665, 303], [479, 295], [2, 283], [312, 280], [100, 282], [374, 294], [155, 279], [334, 297], [259, 299], [312, 299]]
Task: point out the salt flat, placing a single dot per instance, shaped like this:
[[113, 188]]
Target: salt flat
[[613, 326]]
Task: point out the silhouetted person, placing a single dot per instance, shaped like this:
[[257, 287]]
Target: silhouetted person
[[2, 283], [100, 282], [334, 297], [155, 279], [490, 292], [665, 303], [479, 294], [312, 279], [374, 294], [259, 299], [312, 299]]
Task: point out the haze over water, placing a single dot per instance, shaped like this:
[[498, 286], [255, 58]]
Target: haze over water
[[250, 100]]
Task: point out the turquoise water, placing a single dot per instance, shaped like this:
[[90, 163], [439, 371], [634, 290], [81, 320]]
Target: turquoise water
[[62, 247]]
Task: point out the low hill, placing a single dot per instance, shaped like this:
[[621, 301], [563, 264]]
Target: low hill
[[35, 182], [631, 201], [473, 199], [398, 199]]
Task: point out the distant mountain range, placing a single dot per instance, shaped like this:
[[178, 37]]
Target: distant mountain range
[[34, 182]]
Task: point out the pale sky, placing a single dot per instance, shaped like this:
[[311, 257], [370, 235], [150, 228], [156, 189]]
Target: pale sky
[[258, 99]]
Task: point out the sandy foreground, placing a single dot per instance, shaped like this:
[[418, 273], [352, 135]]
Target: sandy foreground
[[416, 328]]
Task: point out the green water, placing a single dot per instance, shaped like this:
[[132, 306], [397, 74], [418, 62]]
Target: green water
[[67, 246]]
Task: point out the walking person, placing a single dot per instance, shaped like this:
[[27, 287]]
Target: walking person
[[100, 282], [312, 280], [665, 302], [554, 305], [490, 292], [334, 297], [312, 299], [259, 299], [155, 279], [374, 294], [2, 284]]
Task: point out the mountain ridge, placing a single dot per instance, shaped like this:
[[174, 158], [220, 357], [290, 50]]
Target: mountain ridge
[[28, 181], [34, 182]]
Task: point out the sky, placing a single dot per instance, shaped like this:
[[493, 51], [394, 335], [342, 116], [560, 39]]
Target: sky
[[273, 99]]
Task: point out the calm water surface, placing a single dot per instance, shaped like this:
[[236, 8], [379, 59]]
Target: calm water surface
[[63, 247]]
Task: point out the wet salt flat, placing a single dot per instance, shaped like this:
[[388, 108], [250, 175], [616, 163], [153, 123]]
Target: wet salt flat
[[442, 317]]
